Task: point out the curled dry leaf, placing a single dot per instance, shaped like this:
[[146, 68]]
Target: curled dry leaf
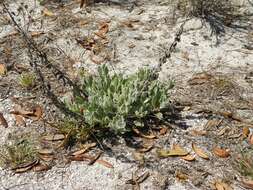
[[3, 121], [188, 157], [45, 151], [163, 130], [20, 120], [201, 153], [199, 79], [103, 29], [247, 184], [25, 167], [40, 167], [46, 157], [37, 113], [105, 163], [176, 150], [84, 157], [223, 153], [85, 148]]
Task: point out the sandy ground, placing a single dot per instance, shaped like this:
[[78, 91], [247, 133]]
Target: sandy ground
[[137, 37]]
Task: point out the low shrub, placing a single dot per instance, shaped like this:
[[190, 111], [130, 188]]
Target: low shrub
[[116, 102]]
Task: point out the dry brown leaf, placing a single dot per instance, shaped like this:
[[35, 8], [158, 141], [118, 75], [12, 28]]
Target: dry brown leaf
[[245, 132], [85, 148], [199, 79], [188, 157], [45, 151], [247, 184], [176, 150], [37, 113], [20, 120], [46, 157], [40, 167], [223, 153], [80, 157], [47, 12], [201, 153], [163, 131], [3, 121], [219, 185], [25, 167], [55, 137], [3, 70], [105, 163], [103, 29], [84, 157]]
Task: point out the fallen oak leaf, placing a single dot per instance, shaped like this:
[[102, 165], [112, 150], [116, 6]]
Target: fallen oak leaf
[[247, 184], [221, 152], [37, 113], [200, 152], [46, 157], [3, 121], [188, 157], [45, 151], [25, 167], [84, 157], [105, 163], [40, 167], [20, 120], [176, 150]]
